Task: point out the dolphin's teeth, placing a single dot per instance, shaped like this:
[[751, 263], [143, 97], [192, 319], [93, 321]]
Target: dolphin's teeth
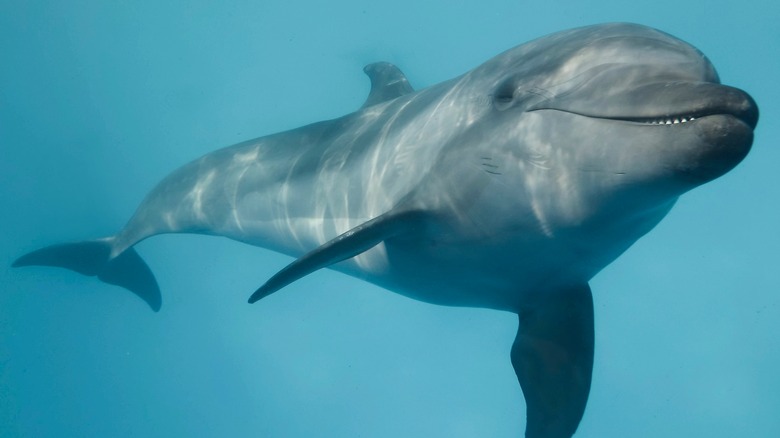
[[669, 121]]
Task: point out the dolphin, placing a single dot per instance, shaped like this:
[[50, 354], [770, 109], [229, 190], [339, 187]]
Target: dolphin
[[508, 187]]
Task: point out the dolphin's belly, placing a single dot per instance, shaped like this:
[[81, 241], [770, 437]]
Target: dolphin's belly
[[490, 276], [501, 270]]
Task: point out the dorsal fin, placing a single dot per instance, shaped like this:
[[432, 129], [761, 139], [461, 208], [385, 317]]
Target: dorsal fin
[[387, 83]]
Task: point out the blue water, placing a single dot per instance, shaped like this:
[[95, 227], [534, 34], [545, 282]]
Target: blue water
[[100, 100]]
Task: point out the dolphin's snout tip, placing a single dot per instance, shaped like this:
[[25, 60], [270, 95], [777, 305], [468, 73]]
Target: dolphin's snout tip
[[735, 102], [727, 139], [749, 113]]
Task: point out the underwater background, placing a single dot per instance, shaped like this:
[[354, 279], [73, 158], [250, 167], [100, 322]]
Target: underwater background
[[100, 100]]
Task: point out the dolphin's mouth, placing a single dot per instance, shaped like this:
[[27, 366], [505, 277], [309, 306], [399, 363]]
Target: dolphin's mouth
[[668, 120], [704, 128], [660, 120], [661, 104], [665, 121]]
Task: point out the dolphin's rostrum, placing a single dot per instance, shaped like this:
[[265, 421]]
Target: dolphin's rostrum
[[508, 187]]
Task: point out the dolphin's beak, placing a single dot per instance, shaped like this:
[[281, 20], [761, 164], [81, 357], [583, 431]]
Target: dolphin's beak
[[696, 130], [658, 102]]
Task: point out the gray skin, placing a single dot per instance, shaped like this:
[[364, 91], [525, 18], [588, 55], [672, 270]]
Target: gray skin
[[508, 187]]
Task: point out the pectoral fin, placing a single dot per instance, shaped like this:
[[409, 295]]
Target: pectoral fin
[[355, 241], [553, 358]]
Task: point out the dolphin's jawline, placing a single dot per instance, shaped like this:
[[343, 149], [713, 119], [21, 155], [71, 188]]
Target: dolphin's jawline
[[660, 120]]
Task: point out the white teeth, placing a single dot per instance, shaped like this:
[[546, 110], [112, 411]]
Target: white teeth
[[670, 121]]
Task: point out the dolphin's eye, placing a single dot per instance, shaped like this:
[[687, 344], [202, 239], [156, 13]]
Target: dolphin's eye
[[503, 96], [514, 94]]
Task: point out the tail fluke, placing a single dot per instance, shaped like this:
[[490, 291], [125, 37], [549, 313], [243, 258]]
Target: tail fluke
[[92, 258]]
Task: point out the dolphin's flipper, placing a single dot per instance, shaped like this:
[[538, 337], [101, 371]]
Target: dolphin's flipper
[[353, 242], [387, 83], [92, 258], [553, 358]]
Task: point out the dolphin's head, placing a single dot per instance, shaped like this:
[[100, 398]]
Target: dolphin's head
[[616, 111]]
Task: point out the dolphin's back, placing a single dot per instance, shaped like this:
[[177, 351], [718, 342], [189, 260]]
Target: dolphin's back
[[295, 190]]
